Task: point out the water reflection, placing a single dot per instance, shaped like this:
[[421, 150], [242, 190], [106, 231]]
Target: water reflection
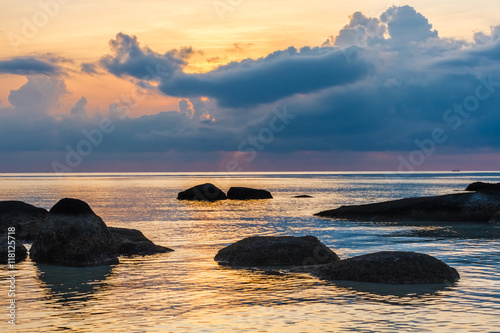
[[415, 291], [72, 284], [450, 230], [276, 285]]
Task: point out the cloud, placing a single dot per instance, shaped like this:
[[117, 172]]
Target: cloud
[[379, 89], [89, 68], [266, 80], [38, 96], [240, 47], [129, 58], [79, 108], [405, 24], [28, 66], [357, 31]]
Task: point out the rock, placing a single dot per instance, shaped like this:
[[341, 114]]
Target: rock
[[22, 216], [245, 193], [20, 252], [131, 242], [203, 192], [276, 251], [495, 219], [461, 207], [480, 186], [73, 235], [394, 267], [303, 196]]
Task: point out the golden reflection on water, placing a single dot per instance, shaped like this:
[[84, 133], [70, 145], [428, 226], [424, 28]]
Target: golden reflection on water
[[186, 291]]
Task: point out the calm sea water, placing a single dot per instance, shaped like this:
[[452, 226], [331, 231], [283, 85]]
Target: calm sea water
[[186, 291]]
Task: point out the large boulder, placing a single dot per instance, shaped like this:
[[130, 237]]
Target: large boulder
[[17, 250], [460, 207], [394, 267], [73, 235], [22, 216], [245, 193], [480, 186], [129, 242], [203, 192], [276, 251]]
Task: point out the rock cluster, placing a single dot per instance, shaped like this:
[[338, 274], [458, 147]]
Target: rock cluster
[[210, 192], [481, 206], [308, 255], [70, 234]]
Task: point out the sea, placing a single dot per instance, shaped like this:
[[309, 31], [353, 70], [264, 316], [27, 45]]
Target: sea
[[187, 291]]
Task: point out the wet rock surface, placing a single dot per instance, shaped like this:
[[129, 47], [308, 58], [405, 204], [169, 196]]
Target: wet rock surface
[[276, 251], [203, 192], [245, 193], [392, 267], [25, 218], [129, 242], [73, 235], [462, 207]]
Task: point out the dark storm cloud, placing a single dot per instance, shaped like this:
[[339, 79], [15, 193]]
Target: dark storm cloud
[[380, 85], [266, 80], [129, 58], [28, 66]]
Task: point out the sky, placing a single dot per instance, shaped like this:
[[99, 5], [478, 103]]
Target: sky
[[238, 85]]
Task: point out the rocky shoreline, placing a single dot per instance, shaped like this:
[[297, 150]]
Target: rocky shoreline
[[307, 254], [480, 205], [71, 234]]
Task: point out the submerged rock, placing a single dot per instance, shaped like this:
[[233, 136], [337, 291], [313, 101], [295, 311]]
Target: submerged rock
[[394, 267], [25, 218], [203, 192], [131, 242], [303, 196], [73, 235], [19, 254], [480, 186], [245, 193], [276, 251], [461, 207]]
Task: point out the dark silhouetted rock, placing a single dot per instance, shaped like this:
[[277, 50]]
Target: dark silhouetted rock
[[22, 216], [19, 250], [73, 235], [276, 251], [303, 196], [204, 192], [387, 267], [495, 219], [71, 207], [131, 242], [461, 207], [480, 186], [245, 193]]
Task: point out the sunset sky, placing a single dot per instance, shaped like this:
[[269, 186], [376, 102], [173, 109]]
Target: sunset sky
[[239, 85]]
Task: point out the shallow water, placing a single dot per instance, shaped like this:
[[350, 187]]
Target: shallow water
[[186, 291]]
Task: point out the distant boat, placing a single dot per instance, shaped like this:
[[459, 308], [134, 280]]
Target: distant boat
[[455, 170]]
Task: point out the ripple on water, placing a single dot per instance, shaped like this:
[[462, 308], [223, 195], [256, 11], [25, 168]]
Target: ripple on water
[[186, 291]]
